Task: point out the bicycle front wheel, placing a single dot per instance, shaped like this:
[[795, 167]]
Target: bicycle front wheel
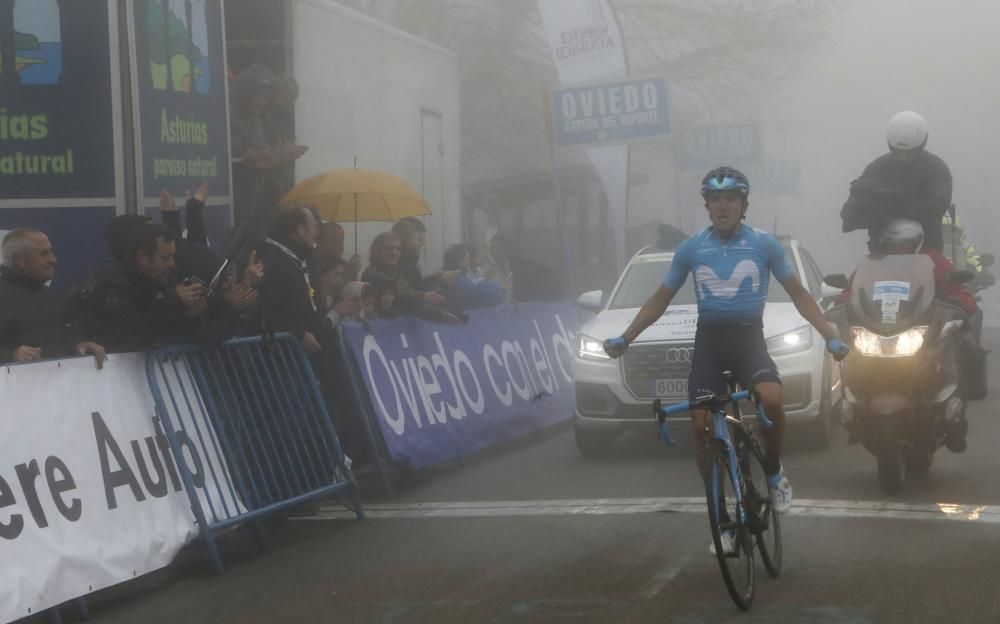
[[724, 512], [765, 522]]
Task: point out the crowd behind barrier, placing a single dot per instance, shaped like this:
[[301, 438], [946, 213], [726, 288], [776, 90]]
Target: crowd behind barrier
[[116, 469], [246, 425]]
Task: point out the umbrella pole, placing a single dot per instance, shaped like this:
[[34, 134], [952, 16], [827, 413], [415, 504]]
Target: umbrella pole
[[355, 224]]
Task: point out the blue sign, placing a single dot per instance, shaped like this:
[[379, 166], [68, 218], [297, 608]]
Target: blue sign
[[441, 392], [179, 48], [712, 146], [56, 125], [618, 111], [778, 177]]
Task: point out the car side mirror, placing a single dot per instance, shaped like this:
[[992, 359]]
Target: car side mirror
[[837, 280], [961, 277], [592, 300], [987, 260]]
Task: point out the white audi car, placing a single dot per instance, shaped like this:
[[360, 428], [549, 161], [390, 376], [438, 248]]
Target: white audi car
[[613, 396]]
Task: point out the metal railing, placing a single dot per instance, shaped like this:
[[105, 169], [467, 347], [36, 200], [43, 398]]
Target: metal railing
[[249, 432]]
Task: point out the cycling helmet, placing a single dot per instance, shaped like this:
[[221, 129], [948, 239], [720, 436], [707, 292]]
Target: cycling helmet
[[907, 131], [902, 233], [724, 179]]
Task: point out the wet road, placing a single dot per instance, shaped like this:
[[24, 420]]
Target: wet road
[[535, 533]]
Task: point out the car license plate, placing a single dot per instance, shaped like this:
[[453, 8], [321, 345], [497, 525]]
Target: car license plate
[[671, 387]]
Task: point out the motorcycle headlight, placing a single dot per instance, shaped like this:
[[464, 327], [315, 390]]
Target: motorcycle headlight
[[592, 349], [795, 341], [901, 345]]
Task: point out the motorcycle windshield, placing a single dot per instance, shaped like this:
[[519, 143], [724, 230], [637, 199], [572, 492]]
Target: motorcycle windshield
[[893, 293]]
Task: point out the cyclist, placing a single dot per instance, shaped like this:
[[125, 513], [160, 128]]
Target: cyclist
[[731, 263]]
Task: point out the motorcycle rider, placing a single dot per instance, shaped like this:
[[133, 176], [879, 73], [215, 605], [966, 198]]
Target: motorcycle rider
[[908, 182], [731, 264], [905, 236]]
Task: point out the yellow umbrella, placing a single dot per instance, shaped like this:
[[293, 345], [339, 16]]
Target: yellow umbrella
[[354, 195]]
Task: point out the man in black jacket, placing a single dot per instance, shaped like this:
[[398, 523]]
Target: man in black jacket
[[907, 183], [136, 304], [31, 326], [286, 291]]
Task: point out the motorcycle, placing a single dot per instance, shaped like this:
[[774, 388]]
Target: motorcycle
[[901, 385]]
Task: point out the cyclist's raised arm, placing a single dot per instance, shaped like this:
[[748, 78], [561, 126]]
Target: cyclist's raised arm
[[650, 312]]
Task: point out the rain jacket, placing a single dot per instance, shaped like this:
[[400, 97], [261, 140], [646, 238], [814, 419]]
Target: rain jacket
[[890, 188]]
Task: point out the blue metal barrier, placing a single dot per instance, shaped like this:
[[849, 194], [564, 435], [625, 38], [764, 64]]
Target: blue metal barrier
[[365, 413], [248, 430]]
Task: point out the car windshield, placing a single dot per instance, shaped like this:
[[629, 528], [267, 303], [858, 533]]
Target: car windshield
[[645, 275]]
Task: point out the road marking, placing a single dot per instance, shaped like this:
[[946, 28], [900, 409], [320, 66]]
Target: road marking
[[661, 579], [981, 514]]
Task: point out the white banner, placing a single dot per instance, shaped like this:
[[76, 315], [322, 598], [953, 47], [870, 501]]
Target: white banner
[[587, 46], [89, 492]]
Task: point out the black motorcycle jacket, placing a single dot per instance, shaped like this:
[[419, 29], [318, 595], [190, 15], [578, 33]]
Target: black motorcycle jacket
[[891, 188]]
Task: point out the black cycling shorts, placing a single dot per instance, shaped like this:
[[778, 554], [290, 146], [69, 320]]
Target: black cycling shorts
[[739, 348]]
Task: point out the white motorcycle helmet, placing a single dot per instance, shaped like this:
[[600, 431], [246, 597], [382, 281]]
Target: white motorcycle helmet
[[907, 131], [902, 236]]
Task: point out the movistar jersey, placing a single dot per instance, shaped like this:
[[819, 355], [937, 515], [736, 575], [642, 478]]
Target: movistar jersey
[[731, 277]]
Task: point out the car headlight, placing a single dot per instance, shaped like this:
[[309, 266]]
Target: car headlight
[[901, 345], [795, 341], [592, 349]]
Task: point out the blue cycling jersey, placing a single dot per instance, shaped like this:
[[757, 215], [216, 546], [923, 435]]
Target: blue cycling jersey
[[730, 277]]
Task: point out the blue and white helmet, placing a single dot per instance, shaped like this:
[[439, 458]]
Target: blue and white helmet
[[724, 179]]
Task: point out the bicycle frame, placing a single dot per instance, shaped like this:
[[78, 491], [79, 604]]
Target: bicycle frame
[[721, 422]]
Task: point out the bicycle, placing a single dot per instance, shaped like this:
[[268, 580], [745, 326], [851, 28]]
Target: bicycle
[[738, 498]]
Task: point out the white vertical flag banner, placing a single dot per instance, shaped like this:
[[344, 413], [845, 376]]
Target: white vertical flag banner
[[587, 45]]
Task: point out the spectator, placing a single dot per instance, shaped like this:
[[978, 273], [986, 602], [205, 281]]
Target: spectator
[[136, 304], [469, 289], [332, 278], [331, 245], [383, 297], [171, 216], [286, 291], [117, 234], [31, 327], [281, 116], [258, 153], [412, 234], [366, 298], [384, 258], [496, 265]]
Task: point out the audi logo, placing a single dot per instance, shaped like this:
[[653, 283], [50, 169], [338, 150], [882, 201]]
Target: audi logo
[[679, 355]]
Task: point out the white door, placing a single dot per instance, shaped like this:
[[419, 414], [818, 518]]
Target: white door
[[432, 188]]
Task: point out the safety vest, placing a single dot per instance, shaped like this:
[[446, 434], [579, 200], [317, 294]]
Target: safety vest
[[957, 246]]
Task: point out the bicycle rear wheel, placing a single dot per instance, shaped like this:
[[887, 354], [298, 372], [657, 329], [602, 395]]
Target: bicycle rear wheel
[[765, 522], [723, 517]]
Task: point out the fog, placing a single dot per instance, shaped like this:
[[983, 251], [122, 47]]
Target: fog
[[820, 78], [932, 57]]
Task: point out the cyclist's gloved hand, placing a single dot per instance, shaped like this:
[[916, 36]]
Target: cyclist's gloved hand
[[616, 347], [837, 347]]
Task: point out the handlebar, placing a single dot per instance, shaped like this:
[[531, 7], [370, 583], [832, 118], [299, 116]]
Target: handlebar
[[713, 403]]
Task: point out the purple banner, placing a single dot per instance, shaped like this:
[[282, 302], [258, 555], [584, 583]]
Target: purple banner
[[442, 392]]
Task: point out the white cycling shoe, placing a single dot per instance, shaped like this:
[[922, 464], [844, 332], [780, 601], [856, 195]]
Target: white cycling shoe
[[781, 491]]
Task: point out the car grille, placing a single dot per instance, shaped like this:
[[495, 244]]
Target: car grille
[[643, 365]]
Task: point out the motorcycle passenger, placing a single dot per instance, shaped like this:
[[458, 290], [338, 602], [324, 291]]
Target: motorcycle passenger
[[909, 182], [904, 236], [901, 237], [731, 264]]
